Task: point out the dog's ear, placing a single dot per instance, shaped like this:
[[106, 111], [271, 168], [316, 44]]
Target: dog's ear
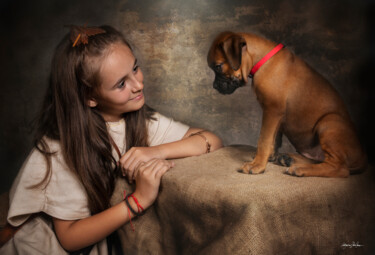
[[232, 48]]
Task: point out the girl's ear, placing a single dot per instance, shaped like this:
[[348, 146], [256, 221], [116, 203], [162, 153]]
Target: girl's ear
[[92, 103]]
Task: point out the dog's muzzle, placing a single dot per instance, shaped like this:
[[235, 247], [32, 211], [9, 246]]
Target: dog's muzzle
[[226, 85]]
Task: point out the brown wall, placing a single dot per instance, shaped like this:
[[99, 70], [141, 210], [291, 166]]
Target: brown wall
[[171, 40]]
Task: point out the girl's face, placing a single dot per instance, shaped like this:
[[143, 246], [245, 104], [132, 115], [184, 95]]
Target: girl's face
[[121, 89]]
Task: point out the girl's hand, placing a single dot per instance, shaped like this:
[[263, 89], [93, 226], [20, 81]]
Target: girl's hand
[[133, 157], [77, 234], [147, 179]]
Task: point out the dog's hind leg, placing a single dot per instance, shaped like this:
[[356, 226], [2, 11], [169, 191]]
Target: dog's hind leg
[[342, 150], [323, 169], [288, 159]]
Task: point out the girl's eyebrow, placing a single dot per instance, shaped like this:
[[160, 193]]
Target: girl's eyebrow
[[119, 80]]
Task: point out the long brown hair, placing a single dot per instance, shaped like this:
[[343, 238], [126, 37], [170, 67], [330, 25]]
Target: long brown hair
[[81, 130]]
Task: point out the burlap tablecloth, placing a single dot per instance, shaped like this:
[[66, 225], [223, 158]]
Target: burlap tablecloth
[[206, 207]]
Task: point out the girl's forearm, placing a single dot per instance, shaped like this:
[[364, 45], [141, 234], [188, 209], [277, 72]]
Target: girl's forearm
[[190, 145], [75, 235]]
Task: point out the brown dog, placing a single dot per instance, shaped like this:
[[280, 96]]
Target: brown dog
[[296, 100]]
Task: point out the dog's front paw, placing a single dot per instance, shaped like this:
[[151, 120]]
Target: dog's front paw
[[252, 168]]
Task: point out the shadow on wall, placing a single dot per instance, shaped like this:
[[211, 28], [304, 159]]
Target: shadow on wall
[[366, 125], [171, 40]]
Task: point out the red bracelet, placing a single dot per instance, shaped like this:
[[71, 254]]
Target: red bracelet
[[127, 207], [139, 207]]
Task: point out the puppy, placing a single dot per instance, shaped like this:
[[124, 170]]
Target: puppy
[[295, 100]]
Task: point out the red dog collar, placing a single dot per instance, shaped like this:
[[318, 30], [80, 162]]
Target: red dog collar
[[265, 58]]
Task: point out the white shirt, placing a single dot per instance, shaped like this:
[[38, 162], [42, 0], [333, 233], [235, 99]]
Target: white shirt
[[64, 197]]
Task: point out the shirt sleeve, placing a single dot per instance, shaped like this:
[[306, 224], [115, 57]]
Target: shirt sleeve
[[62, 196], [165, 130]]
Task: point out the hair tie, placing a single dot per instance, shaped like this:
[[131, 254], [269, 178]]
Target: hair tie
[[80, 34]]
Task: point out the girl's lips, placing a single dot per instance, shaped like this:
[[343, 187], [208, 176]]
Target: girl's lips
[[140, 96]]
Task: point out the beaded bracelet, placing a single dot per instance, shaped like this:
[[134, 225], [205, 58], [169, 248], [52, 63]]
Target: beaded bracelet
[[199, 133]]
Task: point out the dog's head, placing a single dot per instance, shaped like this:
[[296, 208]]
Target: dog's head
[[224, 58]]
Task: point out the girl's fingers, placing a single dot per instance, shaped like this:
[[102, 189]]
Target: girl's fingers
[[127, 154], [146, 166], [152, 170], [127, 164], [126, 159], [161, 168], [160, 172], [150, 165], [137, 167]]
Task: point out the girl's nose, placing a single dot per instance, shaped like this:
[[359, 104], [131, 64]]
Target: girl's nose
[[137, 85]]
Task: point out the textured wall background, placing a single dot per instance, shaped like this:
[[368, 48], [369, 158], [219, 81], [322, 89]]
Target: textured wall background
[[171, 39]]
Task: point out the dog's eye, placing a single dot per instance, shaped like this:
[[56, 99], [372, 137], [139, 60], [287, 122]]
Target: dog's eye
[[218, 68]]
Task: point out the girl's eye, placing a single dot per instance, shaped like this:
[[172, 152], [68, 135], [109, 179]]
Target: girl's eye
[[121, 84], [135, 69]]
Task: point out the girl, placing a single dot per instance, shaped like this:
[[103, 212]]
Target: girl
[[94, 124]]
